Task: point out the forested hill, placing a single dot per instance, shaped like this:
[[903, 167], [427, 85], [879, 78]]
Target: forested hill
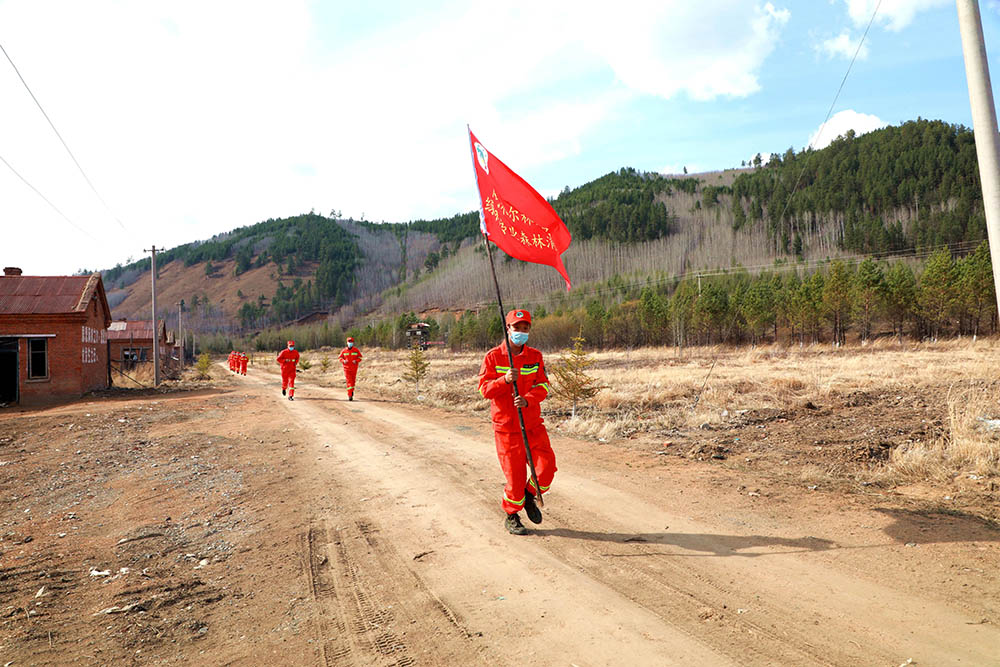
[[625, 205], [905, 187], [900, 188], [287, 242]]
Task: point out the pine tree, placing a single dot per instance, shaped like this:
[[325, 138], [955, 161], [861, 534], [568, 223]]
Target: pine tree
[[900, 296], [869, 288], [757, 307], [681, 312], [203, 366], [325, 363], [977, 286], [837, 300], [416, 367], [572, 380], [812, 303], [938, 291]]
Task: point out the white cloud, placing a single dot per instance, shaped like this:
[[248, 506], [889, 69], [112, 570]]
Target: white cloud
[[840, 123], [893, 14], [193, 118], [704, 49], [843, 46]]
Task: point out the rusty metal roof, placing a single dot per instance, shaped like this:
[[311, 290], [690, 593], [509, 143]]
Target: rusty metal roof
[[131, 329], [46, 295]]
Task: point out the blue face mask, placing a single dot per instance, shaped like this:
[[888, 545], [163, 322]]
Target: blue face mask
[[291, 347], [518, 337], [350, 345]]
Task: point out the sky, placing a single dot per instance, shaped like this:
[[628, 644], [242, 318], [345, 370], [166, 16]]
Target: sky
[[192, 118]]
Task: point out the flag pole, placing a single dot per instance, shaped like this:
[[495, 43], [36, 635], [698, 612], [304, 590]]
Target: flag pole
[[506, 336]]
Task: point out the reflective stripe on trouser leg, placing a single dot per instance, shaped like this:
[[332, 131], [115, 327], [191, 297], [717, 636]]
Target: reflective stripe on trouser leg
[[510, 452]]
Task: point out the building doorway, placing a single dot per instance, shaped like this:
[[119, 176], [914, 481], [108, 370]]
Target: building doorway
[[8, 371]]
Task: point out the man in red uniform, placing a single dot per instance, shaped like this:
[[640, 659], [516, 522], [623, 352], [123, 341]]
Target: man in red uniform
[[243, 363], [287, 359], [495, 377], [350, 357], [231, 353]]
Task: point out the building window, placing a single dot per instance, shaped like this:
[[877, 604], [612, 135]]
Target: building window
[[135, 353], [38, 358]]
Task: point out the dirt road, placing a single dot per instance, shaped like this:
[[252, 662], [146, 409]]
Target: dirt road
[[369, 532], [662, 566]]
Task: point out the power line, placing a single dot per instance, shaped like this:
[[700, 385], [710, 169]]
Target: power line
[[829, 112], [38, 192], [63, 141]]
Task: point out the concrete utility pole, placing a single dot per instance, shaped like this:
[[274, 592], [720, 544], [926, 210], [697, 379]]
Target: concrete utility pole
[[156, 331], [984, 123]]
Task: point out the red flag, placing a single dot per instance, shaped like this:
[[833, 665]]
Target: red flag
[[514, 216]]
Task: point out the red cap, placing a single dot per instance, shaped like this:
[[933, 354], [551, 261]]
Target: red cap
[[291, 342], [350, 340], [518, 316]]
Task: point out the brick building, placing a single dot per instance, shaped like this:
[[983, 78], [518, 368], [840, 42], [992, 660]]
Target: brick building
[[53, 337], [131, 341]]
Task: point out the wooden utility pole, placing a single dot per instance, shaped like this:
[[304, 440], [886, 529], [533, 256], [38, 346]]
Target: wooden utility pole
[[156, 330], [180, 330], [984, 123]]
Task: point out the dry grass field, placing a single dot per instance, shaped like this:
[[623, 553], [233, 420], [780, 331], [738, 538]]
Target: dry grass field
[[908, 417]]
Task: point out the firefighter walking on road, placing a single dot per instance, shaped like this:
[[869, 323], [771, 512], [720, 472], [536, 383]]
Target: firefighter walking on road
[[287, 359], [350, 357], [495, 377], [243, 363]]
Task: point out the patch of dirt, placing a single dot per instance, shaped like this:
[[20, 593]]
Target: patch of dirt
[[140, 529]]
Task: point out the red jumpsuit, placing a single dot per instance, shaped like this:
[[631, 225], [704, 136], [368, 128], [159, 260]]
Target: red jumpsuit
[[350, 357], [533, 385], [230, 362], [243, 364], [288, 359]]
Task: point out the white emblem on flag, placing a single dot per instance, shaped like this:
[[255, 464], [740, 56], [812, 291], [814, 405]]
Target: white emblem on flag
[[483, 157]]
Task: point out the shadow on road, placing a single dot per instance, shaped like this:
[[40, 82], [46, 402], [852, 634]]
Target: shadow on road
[[940, 525], [324, 399], [707, 544]]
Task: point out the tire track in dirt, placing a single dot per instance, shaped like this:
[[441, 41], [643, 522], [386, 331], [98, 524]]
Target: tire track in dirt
[[329, 623], [360, 619]]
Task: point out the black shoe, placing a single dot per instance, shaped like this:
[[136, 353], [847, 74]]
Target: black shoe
[[351, 397], [282, 392], [291, 398], [531, 509], [513, 525]]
